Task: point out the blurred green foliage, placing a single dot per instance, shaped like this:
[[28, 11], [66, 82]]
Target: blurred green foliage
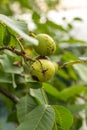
[[68, 84]]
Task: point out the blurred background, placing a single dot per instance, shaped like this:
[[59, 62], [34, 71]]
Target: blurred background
[[66, 22]]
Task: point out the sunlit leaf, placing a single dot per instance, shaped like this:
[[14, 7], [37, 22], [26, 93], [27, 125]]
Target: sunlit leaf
[[16, 26], [50, 89], [63, 117], [2, 31], [73, 41], [55, 26], [71, 92], [68, 56], [82, 71]]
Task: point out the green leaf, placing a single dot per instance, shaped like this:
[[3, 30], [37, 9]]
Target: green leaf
[[12, 116], [24, 106], [22, 79], [63, 117], [36, 17], [2, 31], [70, 92], [50, 90], [72, 74], [78, 19], [34, 85], [82, 71], [18, 28], [69, 26], [13, 41], [30, 5], [5, 78], [8, 66], [55, 26], [77, 108], [7, 37], [68, 56], [52, 3], [37, 94], [73, 40], [41, 118]]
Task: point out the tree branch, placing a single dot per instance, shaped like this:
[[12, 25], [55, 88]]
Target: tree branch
[[17, 52], [13, 98]]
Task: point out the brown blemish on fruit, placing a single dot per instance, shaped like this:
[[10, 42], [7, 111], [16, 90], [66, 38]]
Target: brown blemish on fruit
[[35, 78], [44, 71], [42, 57]]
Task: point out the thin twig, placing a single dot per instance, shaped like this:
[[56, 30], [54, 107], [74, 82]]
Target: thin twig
[[17, 52], [12, 97], [22, 48], [73, 62], [32, 34]]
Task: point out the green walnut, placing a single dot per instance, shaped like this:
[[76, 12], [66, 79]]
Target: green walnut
[[56, 66], [42, 70], [46, 45]]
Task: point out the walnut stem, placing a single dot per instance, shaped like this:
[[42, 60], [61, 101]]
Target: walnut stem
[[17, 52]]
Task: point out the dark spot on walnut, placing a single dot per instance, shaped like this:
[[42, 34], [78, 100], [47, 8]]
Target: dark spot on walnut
[[35, 78], [44, 71], [42, 57]]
